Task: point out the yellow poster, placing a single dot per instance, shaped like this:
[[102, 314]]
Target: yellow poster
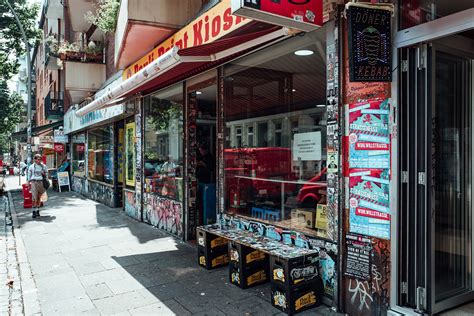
[[130, 154], [120, 154]]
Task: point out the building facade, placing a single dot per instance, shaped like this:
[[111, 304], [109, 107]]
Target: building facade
[[352, 138]]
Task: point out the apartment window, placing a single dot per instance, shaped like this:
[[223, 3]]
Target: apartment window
[[250, 136]]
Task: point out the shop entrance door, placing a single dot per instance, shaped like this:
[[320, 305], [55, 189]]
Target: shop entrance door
[[436, 172]]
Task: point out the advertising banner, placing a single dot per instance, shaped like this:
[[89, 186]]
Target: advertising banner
[[369, 202], [305, 15], [369, 139]]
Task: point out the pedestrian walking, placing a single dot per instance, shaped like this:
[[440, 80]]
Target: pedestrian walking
[[36, 173]]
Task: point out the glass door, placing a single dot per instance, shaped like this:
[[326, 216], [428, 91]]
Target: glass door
[[435, 191]]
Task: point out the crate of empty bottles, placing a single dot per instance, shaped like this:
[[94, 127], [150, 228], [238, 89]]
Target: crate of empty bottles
[[297, 299], [212, 250]]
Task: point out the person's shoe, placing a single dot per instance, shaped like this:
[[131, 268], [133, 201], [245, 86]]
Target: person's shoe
[[38, 213], [34, 214]]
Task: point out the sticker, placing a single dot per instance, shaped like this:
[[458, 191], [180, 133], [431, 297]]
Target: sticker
[[299, 275], [201, 241], [279, 299], [279, 274], [333, 162], [235, 277], [202, 260], [234, 255]]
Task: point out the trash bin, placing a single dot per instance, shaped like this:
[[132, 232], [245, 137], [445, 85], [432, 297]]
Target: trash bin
[[27, 197]]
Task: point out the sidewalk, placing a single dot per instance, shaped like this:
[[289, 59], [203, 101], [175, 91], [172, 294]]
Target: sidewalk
[[91, 259]]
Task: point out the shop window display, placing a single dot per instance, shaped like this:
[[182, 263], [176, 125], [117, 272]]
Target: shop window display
[[78, 155], [100, 154], [164, 144], [275, 123]]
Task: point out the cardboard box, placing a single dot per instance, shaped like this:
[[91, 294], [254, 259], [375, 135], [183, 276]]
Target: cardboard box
[[303, 217]]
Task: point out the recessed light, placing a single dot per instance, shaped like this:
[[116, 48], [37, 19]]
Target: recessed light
[[293, 90], [198, 92], [304, 52], [320, 105]]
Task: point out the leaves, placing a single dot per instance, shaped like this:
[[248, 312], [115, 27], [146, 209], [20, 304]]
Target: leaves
[[105, 17], [11, 41]]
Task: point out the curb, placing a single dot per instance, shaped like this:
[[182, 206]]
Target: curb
[[31, 302]]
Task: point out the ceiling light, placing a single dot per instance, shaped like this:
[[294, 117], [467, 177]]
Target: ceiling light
[[320, 105], [293, 90], [198, 92], [304, 52]]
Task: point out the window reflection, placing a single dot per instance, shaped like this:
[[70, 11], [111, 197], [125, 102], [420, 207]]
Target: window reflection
[[275, 156], [101, 154], [164, 144]]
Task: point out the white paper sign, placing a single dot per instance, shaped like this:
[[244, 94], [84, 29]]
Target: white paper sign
[[63, 178], [307, 146]]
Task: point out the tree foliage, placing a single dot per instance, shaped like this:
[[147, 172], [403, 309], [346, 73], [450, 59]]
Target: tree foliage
[[12, 109], [11, 40]]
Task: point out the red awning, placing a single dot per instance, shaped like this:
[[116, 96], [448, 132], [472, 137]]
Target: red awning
[[218, 52]]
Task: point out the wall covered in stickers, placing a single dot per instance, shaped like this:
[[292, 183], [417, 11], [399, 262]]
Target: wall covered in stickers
[[130, 205], [366, 216]]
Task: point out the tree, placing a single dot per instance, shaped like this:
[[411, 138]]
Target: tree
[[11, 113], [11, 41]]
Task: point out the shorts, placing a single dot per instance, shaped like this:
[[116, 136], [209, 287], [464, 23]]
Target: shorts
[[37, 189]]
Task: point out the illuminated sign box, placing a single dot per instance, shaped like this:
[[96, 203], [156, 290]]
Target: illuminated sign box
[[370, 47], [304, 15]]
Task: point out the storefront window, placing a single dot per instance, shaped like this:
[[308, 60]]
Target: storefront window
[[79, 155], [275, 120], [416, 12], [130, 154], [164, 144], [100, 155]]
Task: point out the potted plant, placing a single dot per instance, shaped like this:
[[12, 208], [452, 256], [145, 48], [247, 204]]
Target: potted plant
[[93, 52]]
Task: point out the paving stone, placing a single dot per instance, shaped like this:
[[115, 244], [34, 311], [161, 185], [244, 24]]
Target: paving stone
[[120, 303], [97, 291]]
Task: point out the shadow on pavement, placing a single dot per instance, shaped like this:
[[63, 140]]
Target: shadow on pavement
[[184, 288]]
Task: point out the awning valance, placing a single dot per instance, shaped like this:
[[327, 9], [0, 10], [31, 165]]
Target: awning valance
[[181, 63]]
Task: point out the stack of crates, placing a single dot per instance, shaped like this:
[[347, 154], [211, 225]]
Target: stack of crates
[[27, 197], [296, 283], [248, 267], [212, 250]]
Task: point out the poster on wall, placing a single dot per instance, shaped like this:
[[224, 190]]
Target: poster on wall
[[357, 261], [120, 154], [369, 139], [370, 47], [369, 202], [130, 154]]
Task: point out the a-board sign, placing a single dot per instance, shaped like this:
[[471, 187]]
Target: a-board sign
[[63, 180], [370, 47]]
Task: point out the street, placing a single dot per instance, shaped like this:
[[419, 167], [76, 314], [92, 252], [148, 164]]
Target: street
[[86, 258]]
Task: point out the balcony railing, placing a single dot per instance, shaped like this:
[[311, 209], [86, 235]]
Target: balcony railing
[[54, 105]]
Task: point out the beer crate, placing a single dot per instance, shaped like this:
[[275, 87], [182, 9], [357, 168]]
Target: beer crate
[[213, 258], [210, 241], [292, 272], [248, 276], [297, 299], [242, 256]]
